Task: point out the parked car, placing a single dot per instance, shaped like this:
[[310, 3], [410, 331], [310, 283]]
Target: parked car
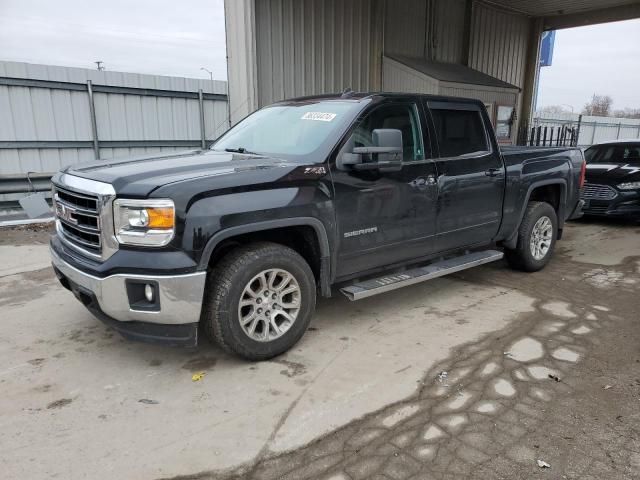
[[361, 193], [612, 186]]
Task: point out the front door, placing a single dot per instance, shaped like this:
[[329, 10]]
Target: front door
[[471, 177], [385, 218]]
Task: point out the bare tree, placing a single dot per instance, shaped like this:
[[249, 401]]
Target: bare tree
[[627, 113], [553, 110], [600, 106]]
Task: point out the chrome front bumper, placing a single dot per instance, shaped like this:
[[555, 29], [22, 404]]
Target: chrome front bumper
[[180, 295]]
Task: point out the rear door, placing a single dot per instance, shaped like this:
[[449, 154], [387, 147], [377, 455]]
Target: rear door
[[386, 217], [470, 176]]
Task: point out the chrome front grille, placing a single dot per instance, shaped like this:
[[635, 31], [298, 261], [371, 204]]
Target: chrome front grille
[[79, 219], [83, 215], [592, 191]]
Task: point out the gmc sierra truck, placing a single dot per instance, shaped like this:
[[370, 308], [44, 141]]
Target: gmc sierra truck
[[356, 193]]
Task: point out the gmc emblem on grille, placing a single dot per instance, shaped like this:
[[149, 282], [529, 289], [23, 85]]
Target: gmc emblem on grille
[[66, 213]]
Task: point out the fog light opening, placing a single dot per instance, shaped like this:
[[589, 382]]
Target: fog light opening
[[148, 292]]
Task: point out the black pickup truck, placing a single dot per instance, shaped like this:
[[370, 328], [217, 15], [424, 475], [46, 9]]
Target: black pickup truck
[[357, 193]]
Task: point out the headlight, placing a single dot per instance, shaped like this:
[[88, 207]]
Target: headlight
[[629, 186], [144, 222]]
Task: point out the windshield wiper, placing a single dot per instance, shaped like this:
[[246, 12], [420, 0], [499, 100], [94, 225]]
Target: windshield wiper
[[239, 150]]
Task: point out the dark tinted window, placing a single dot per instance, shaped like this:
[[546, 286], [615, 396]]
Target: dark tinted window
[[614, 153], [459, 132]]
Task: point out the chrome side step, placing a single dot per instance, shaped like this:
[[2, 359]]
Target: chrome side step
[[379, 285]]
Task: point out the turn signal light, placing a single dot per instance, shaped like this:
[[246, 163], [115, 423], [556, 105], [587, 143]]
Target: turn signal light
[[160, 217]]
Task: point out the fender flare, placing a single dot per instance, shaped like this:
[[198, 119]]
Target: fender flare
[[512, 241], [317, 225]]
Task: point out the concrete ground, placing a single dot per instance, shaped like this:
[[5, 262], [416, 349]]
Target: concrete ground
[[477, 375]]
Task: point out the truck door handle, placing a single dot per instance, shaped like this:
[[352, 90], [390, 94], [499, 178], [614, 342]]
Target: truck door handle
[[493, 172]]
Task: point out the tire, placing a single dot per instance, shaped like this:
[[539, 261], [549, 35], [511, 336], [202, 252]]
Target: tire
[[522, 257], [240, 275]]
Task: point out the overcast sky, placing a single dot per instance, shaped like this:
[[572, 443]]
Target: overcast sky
[[602, 59], [171, 37], [166, 37]]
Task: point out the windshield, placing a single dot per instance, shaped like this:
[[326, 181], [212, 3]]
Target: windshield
[[615, 153], [291, 131]]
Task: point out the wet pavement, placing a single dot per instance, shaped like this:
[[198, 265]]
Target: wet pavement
[[556, 380]]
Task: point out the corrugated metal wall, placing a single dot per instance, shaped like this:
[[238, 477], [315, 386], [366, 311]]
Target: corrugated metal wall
[[425, 28], [44, 114], [308, 47], [316, 46], [241, 57], [405, 27], [499, 42], [448, 22]]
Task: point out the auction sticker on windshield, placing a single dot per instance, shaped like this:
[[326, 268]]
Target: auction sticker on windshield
[[319, 116]]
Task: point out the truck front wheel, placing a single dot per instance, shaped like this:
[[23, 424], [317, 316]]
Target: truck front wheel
[[536, 238], [259, 300]]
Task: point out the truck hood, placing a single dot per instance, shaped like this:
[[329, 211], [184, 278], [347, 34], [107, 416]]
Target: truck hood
[[139, 176], [612, 173]]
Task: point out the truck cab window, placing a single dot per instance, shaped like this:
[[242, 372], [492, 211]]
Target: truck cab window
[[459, 132], [398, 117]]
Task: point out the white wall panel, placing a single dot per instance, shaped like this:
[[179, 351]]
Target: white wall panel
[[400, 78]]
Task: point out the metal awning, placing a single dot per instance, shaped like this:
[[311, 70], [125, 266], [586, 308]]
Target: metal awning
[[572, 13]]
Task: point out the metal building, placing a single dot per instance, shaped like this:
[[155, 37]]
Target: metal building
[[285, 48]]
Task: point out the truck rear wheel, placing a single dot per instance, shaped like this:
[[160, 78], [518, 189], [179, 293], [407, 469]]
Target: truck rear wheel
[[536, 238], [259, 300]]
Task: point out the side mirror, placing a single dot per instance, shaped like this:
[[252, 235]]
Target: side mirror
[[385, 155]]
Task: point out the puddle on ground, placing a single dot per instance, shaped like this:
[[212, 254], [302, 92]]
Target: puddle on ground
[[526, 350], [432, 433], [565, 354], [504, 387], [451, 422], [486, 407], [489, 369], [459, 401], [539, 372], [425, 453], [560, 309], [581, 330]]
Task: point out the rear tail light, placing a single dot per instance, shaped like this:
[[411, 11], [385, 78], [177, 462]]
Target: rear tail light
[[583, 173]]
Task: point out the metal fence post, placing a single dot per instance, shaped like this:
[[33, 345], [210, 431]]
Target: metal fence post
[[94, 123], [618, 134], [578, 130], [203, 136]]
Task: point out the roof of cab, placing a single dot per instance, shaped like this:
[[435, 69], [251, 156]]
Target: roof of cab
[[358, 96]]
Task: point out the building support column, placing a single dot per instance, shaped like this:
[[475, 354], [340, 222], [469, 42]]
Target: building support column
[[532, 71], [240, 25]]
